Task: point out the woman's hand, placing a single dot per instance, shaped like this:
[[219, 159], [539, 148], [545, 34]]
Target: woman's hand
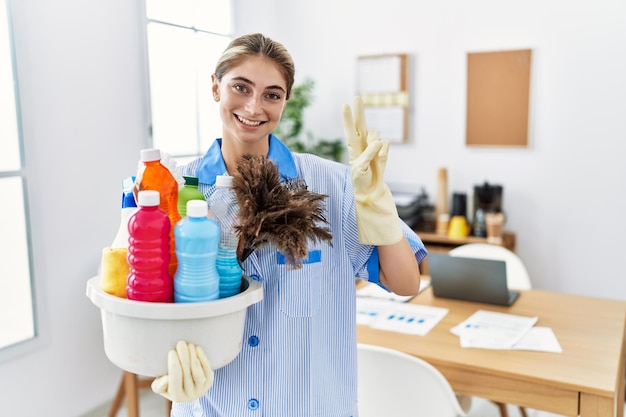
[[377, 216]]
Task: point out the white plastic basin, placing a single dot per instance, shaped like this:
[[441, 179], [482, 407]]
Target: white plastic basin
[[138, 335]]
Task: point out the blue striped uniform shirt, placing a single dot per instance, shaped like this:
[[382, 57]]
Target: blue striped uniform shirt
[[298, 356]]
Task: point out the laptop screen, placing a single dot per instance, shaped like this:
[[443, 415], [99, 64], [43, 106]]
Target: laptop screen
[[470, 279]]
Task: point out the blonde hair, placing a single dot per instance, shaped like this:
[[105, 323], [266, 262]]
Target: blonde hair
[[256, 44]]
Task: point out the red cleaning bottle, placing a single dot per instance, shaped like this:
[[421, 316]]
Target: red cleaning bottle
[[156, 176], [149, 252]]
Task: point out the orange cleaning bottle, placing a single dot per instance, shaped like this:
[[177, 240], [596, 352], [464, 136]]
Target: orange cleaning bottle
[[156, 176]]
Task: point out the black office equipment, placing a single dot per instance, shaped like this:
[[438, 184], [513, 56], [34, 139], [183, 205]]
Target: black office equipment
[[470, 279]]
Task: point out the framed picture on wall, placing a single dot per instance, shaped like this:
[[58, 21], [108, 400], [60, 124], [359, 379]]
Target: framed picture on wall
[[383, 84]]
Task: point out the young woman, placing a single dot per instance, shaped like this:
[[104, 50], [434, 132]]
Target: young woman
[[299, 348]]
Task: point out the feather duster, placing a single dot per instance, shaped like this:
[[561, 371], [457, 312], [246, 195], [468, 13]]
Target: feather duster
[[284, 214]]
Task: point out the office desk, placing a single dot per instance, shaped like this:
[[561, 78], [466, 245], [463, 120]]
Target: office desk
[[587, 379]]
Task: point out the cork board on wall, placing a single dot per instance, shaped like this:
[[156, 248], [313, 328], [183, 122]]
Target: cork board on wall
[[498, 97]]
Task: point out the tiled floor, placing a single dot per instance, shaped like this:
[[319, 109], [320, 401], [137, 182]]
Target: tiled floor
[[152, 405]]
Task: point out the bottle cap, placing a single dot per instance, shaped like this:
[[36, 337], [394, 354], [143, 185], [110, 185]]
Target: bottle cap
[[223, 181], [128, 184], [149, 198], [197, 208], [148, 155], [190, 180]]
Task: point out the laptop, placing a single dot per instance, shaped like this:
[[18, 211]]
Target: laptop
[[470, 279]]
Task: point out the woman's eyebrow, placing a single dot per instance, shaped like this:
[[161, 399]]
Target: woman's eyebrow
[[271, 87], [276, 87], [244, 79]]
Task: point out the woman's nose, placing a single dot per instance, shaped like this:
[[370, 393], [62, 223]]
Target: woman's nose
[[253, 104]]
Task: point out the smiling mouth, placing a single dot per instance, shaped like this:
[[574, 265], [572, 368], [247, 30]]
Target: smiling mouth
[[251, 123]]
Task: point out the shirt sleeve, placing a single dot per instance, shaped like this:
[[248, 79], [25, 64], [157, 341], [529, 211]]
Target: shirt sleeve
[[419, 250], [364, 258]]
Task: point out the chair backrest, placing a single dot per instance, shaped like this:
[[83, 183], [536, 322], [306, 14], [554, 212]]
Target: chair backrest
[[393, 383], [516, 273]]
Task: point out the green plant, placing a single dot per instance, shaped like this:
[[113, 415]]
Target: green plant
[[290, 128]]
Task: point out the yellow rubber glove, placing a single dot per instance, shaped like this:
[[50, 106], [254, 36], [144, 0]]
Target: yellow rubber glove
[[376, 213], [189, 374]]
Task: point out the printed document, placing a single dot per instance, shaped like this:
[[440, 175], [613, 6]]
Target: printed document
[[493, 330], [398, 317]]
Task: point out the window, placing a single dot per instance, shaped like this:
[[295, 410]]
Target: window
[[17, 318], [185, 39]]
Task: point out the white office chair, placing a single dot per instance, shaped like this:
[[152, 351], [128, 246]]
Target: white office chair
[[393, 383], [516, 275]]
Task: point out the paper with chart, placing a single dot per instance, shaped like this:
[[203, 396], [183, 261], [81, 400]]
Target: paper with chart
[[493, 330], [540, 339], [398, 317]]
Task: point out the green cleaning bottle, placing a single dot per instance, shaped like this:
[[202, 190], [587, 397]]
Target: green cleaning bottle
[[188, 192]]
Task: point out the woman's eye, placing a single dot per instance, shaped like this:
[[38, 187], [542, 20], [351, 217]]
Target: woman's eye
[[273, 96], [240, 87]]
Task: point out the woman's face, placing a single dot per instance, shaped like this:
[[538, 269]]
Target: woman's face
[[252, 97]]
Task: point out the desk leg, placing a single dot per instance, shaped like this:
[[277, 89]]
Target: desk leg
[[119, 396], [594, 406], [132, 400], [621, 387]]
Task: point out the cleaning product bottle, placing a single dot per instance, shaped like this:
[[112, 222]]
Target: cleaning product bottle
[[114, 266], [156, 176], [129, 207], [149, 252], [188, 192], [197, 237], [224, 209]]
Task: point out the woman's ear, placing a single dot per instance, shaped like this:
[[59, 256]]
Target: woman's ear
[[215, 87]]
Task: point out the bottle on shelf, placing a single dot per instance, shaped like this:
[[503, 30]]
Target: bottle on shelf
[[114, 266], [224, 209], [149, 252], [187, 193], [156, 176], [197, 238]]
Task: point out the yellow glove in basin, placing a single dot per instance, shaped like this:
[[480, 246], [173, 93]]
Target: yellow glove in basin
[[189, 374]]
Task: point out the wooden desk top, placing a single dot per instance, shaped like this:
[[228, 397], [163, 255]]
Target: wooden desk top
[[431, 237], [591, 332]]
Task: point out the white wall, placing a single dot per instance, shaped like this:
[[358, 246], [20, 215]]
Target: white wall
[[564, 195], [84, 124], [80, 68]]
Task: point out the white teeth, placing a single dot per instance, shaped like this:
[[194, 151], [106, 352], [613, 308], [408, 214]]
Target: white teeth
[[248, 122]]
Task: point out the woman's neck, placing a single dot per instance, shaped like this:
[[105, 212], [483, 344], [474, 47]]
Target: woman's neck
[[232, 150]]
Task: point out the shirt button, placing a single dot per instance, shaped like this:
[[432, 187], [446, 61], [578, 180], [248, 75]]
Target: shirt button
[[253, 341], [253, 404]]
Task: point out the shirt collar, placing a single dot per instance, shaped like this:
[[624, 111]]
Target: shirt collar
[[213, 164]]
